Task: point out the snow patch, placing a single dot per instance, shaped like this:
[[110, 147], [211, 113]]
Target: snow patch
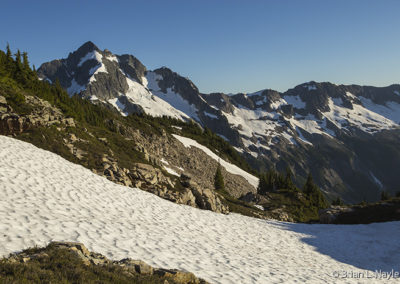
[[223, 137], [164, 161], [368, 117], [295, 101], [152, 81], [277, 104], [210, 115], [233, 169], [310, 87], [75, 88], [301, 137], [171, 171], [391, 110], [89, 56], [112, 57], [115, 102], [376, 180], [259, 207]]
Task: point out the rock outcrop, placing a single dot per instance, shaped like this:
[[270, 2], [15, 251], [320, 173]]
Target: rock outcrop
[[152, 179], [130, 266], [364, 213], [42, 114], [190, 161], [329, 215]]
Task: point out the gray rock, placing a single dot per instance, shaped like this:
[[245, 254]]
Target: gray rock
[[139, 266], [328, 216]]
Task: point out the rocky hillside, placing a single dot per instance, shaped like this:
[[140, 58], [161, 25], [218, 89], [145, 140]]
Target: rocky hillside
[[346, 136], [174, 159]]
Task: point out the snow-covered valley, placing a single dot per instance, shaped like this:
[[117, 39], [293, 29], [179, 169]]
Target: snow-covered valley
[[44, 198]]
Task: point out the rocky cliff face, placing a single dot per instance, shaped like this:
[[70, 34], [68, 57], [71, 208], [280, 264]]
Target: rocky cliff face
[[338, 133]]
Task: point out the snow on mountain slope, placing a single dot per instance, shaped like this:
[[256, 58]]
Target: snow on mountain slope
[[267, 119], [304, 128], [152, 104], [152, 100], [45, 198], [361, 116], [267, 116], [187, 142], [175, 100], [91, 72]]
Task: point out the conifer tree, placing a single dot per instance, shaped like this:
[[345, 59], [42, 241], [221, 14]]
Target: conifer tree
[[288, 180], [18, 63], [337, 202], [385, 195], [219, 183], [314, 194], [25, 62], [262, 185], [8, 53]]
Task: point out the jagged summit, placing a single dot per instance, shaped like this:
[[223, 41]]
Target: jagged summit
[[85, 49]]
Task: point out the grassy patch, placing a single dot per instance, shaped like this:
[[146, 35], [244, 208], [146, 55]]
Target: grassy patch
[[64, 266]]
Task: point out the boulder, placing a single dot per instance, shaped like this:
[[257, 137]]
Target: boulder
[[179, 277], [138, 266], [187, 198], [11, 124], [3, 100], [328, 216], [281, 215], [208, 199]]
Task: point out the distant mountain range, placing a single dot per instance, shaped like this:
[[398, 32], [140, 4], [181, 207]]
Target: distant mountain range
[[347, 136]]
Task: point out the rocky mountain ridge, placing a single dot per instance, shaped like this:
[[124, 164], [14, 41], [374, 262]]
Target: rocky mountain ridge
[[322, 128]]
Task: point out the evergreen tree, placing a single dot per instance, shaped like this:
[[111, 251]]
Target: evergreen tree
[[262, 185], [219, 183], [8, 53], [288, 180], [385, 195], [314, 194], [18, 62], [338, 202], [25, 61]]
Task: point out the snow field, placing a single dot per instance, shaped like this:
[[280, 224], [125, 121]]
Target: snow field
[[45, 198]]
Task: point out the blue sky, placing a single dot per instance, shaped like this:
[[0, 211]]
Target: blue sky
[[221, 45]]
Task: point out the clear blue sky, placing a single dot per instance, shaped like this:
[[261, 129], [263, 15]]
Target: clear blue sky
[[228, 46]]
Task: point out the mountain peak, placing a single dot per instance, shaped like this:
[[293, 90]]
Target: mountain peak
[[88, 46]]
